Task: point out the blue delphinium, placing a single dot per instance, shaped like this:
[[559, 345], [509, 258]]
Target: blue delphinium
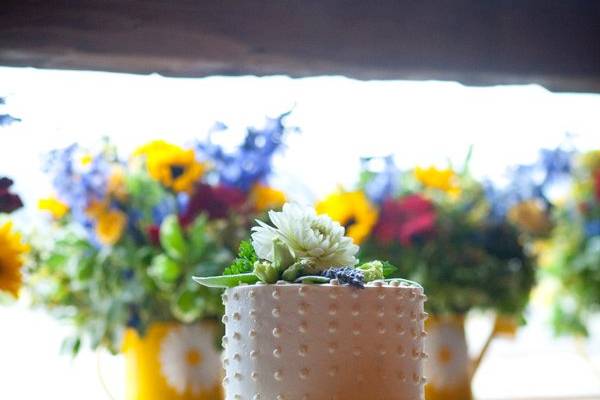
[[592, 228], [382, 184], [530, 181], [76, 184], [6, 119], [251, 162]]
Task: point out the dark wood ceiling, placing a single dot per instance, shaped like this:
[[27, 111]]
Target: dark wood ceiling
[[555, 43]]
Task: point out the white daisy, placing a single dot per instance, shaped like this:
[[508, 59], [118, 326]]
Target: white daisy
[[312, 237], [448, 363], [189, 359]]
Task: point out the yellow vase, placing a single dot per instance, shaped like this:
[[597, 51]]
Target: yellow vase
[[448, 367], [173, 362]]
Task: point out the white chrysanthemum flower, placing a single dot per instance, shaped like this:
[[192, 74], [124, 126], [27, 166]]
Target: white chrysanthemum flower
[[315, 238]]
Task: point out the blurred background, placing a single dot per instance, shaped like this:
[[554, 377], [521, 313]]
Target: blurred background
[[340, 120], [489, 113]]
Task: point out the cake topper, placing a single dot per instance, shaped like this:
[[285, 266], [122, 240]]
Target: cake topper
[[301, 247]]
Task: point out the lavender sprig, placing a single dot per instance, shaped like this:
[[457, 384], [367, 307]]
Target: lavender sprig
[[349, 275]]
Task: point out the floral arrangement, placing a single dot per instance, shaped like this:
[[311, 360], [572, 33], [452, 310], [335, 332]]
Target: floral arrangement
[[574, 254], [12, 247], [462, 239], [300, 246], [127, 235]]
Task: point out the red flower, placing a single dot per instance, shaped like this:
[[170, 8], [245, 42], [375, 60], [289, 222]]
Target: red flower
[[405, 219], [215, 201], [153, 232], [9, 202]]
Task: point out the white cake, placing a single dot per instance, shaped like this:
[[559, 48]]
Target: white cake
[[324, 342]]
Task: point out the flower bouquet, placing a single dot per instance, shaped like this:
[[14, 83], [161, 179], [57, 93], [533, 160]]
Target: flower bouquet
[[574, 255], [128, 235], [12, 248], [452, 234]]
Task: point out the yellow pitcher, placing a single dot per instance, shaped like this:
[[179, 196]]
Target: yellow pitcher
[[449, 369], [173, 361]]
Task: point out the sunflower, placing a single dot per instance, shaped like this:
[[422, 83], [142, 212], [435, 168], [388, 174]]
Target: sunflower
[[440, 179], [53, 206], [352, 210], [12, 250], [266, 198], [110, 226], [173, 166]]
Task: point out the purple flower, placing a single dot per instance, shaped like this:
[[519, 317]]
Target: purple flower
[[9, 201]]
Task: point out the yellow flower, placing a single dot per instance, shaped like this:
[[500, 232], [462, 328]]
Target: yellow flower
[[441, 179], [173, 166], [266, 198], [591, 160], [86, 159], [529, 216], [352, 210], [110, 226], [116, 183], [55, 207], [96, 208], [12, 250]]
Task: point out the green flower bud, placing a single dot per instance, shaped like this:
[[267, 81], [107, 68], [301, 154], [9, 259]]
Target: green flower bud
[[282, 256], [266, 271], [295, 270], [372, 270]]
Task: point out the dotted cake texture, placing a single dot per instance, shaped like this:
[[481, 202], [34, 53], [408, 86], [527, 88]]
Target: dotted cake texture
[[324, 342]]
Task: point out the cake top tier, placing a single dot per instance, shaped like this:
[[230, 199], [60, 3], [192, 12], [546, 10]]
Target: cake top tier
[[301, 247]]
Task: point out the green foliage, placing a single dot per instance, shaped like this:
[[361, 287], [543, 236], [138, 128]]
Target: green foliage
[[172, 238], [388, 269], [101, 292], [245, 260], [574, 255]]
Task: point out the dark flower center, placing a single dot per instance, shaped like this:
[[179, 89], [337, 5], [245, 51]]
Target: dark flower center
[[349, 222], [177, 171]]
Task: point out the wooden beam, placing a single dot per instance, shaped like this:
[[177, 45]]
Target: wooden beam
[[555, 43]]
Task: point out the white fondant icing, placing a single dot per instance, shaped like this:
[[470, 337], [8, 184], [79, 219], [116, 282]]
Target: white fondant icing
[[324, 342]]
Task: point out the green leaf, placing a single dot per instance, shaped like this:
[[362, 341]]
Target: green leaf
[[172, 238], [197, 238], [188, 306], [388, 269], [165, 269], [405, 281], [245, 260], [226, 281]]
